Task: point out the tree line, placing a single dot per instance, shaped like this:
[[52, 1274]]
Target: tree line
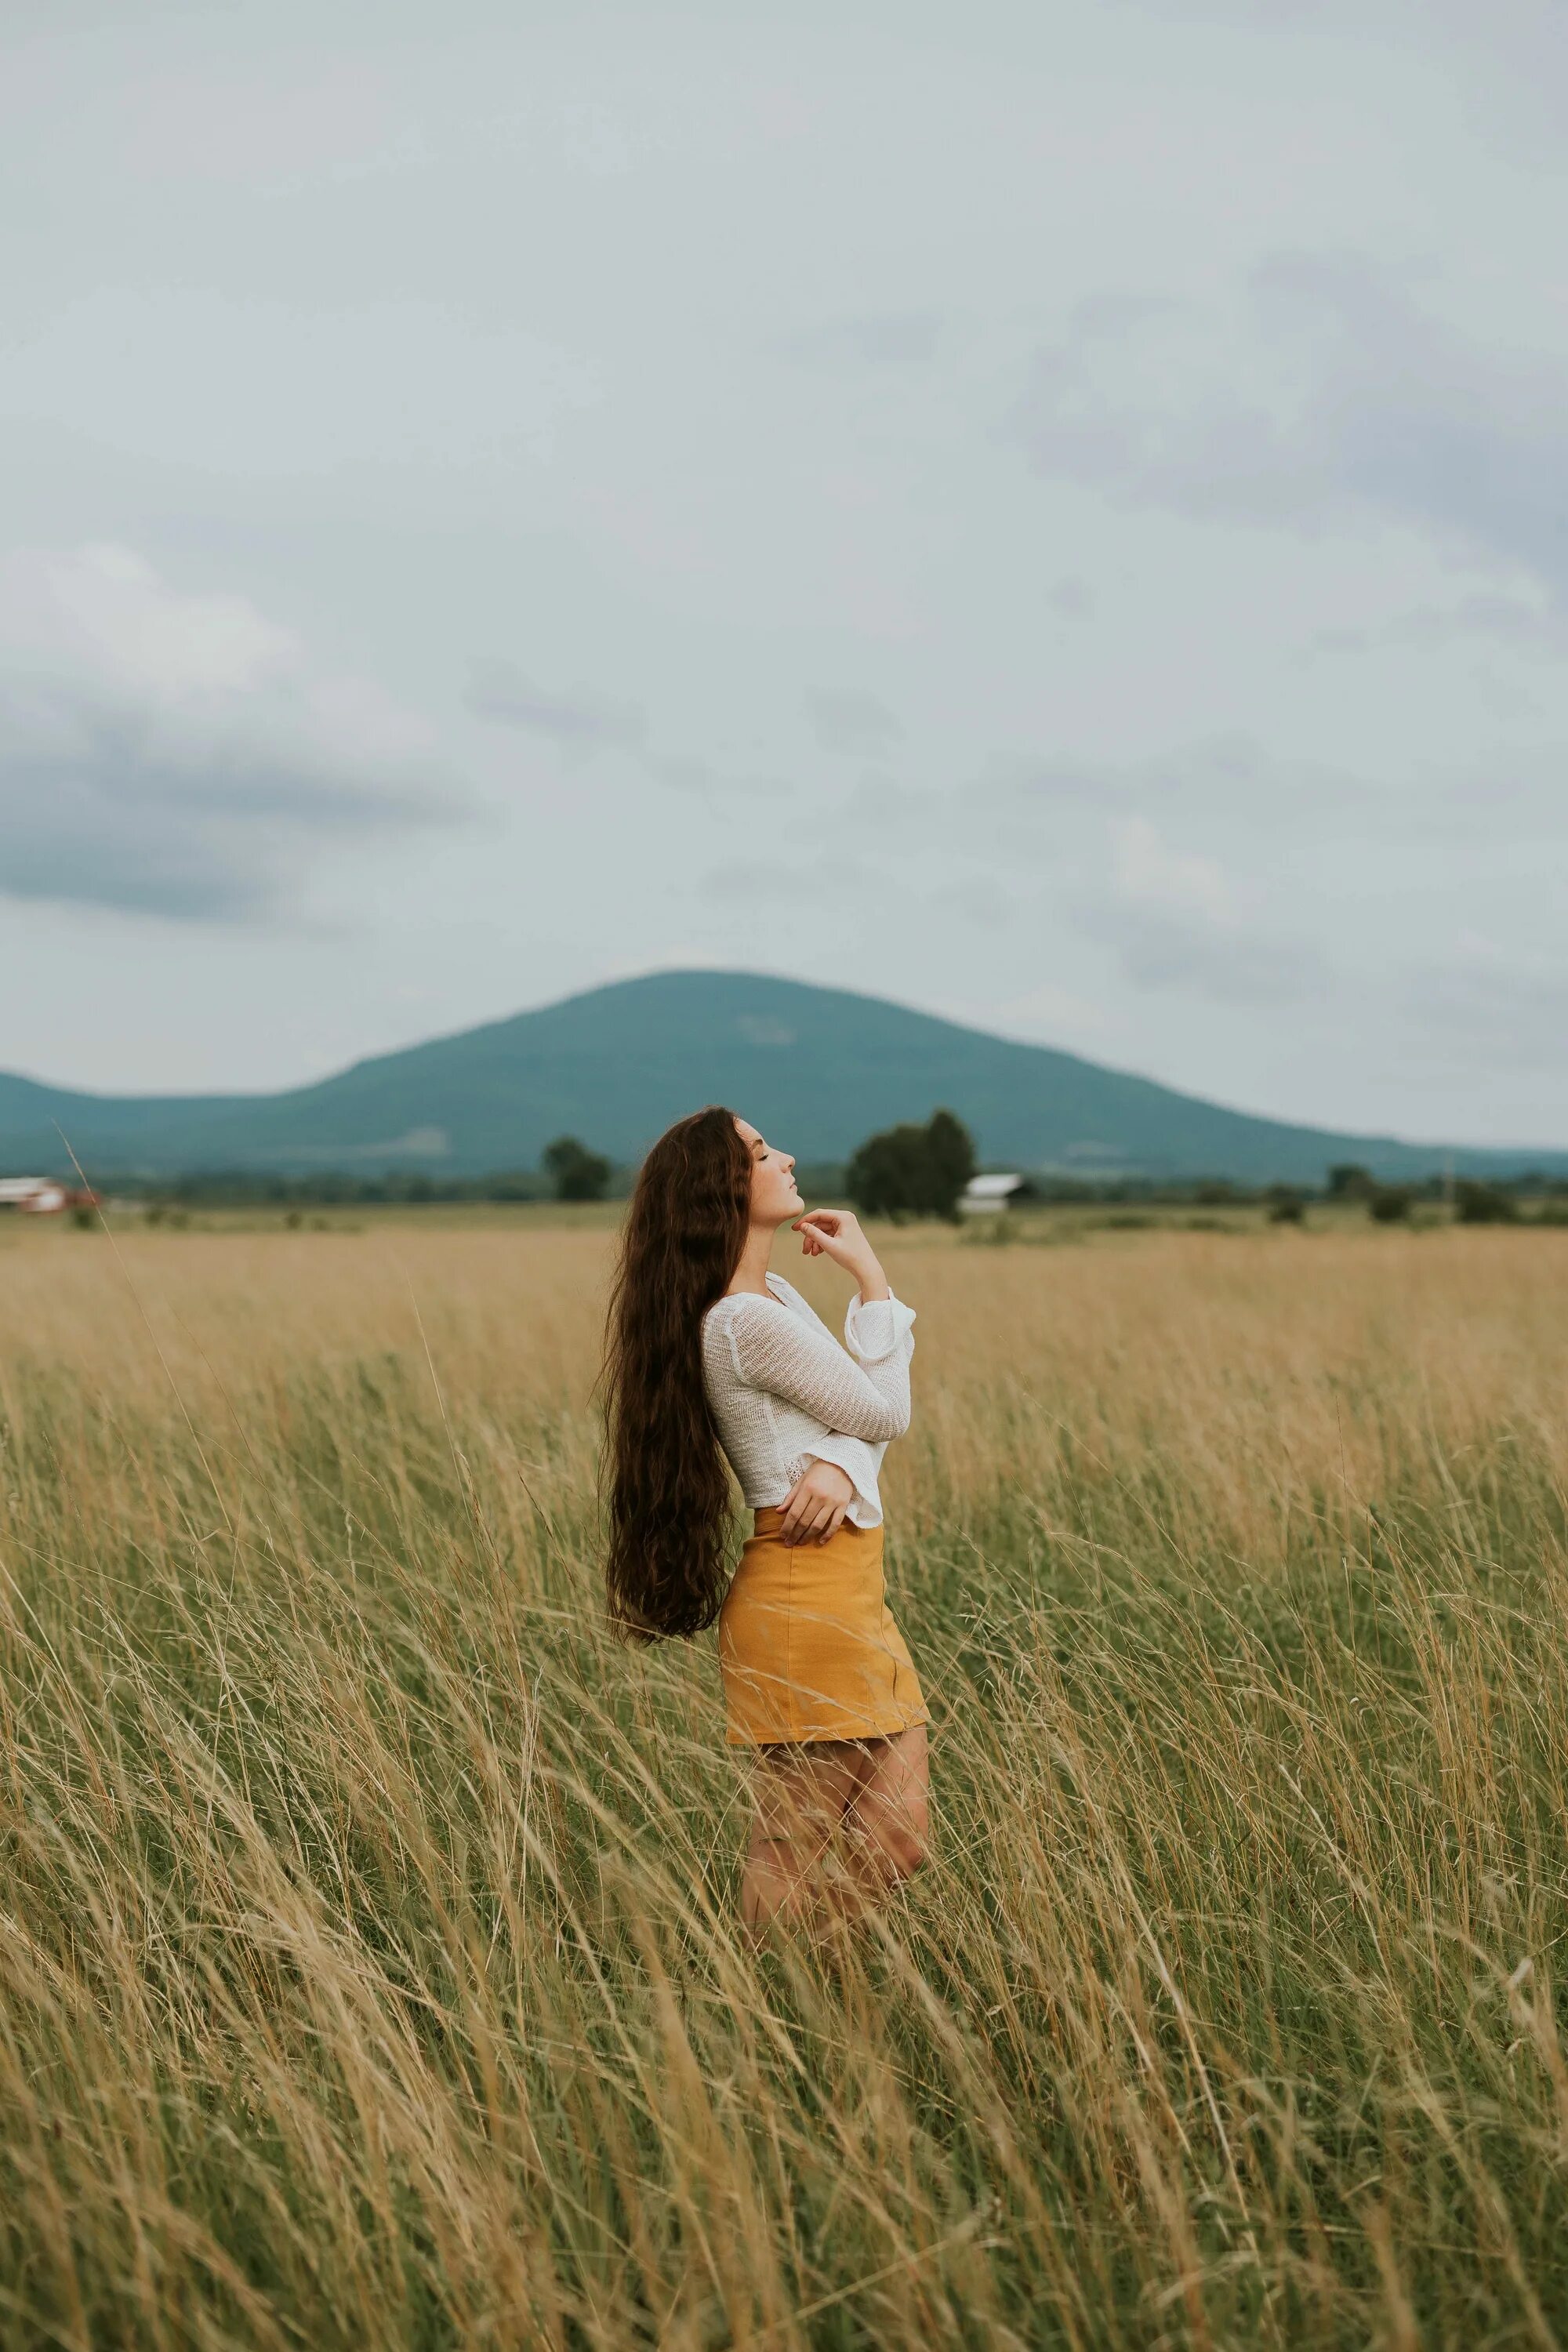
[[906, 1172]]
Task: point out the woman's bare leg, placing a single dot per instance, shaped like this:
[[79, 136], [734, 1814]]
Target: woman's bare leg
[[806, 1796], [802, 1792], [889, 1816]]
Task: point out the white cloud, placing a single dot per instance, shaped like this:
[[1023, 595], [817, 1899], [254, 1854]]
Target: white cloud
[[1485, 998], [1178, 921], [871, 338], [177, 753], [103, 610], [849, 721], [1321, 395], [576, 718], [1146, 872]]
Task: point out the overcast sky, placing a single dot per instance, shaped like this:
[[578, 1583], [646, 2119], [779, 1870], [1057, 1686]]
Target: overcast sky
[[1056, 512]]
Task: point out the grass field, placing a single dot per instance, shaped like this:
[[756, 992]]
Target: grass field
[[368, 1966]]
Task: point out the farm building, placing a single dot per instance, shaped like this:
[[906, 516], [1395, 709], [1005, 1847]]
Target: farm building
[[41, 1196], [983, 1196]]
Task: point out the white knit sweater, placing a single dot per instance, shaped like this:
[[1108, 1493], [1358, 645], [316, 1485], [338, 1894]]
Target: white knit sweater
[[785, 1393]]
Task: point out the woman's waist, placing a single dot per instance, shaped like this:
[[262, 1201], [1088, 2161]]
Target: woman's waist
[[850, 1552], [766, 1484], [768, 1518]]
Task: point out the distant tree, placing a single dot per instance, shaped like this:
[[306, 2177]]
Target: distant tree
[[577, 1173], [881, 1178], [1286, 1206], [912, 1172], [950, 1161], [1484, 1205], [1389, 1204], [1350, 1183]]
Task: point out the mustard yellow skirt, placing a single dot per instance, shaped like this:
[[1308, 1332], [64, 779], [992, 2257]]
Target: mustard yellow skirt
[[807, 1645]]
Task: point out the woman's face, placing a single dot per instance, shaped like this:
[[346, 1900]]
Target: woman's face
[[774, 1199]]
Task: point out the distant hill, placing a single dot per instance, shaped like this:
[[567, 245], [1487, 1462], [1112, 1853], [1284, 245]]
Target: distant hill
[[819, 1068]]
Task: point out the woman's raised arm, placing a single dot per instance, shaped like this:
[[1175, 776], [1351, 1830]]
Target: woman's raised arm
[[776, 1350]]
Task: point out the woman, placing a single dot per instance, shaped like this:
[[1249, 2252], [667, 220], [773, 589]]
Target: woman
[[710, 1355]]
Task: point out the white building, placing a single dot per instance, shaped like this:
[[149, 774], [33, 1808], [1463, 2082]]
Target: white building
[[33, 1196], [983, 1196]]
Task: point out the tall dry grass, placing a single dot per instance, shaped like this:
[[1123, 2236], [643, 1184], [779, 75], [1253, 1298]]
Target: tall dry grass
[[368, 1970]]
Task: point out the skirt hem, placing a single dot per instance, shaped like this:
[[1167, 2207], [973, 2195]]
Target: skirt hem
[[821, 1738]]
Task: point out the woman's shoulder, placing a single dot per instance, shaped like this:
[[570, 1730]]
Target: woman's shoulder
[[730, 1305], [779, 1305]]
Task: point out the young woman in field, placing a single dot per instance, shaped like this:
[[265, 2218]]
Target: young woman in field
[[712, 1355]]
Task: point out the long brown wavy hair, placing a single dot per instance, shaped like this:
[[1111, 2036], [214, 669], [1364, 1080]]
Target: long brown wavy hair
[[669, 1491]]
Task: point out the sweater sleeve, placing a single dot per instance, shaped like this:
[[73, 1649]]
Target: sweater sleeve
[[779, 1352], [875, 1327]]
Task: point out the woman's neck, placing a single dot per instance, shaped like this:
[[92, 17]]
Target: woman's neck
[[752, 1271]]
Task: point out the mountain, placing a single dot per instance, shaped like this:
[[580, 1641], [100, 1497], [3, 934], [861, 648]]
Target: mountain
[[819, 1068]]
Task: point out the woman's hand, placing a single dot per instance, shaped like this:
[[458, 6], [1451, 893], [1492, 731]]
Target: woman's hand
[[815, 1503], [835, 1234]]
